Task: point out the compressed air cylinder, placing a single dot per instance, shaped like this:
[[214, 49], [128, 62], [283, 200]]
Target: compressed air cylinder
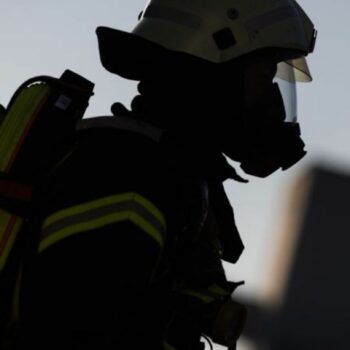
[[36, 130]]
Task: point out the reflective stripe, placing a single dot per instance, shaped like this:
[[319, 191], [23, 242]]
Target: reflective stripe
[[270, 18], [208, 295], [102, 212], [173, 15], [196, 294], [9, 227], [219, 291], [18, 122], [122, 123]]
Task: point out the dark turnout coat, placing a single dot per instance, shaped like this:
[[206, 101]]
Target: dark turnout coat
[[125, 255]]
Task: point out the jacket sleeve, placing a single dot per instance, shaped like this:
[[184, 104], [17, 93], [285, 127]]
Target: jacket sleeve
[[113, 191], [103, 231], [123, 225]]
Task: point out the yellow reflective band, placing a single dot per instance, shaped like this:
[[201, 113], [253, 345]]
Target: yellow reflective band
[[102, 212], [207, 295], [18, 121], [103, 202], [219, 291], [150, 207], [9, 227], [196, 294]]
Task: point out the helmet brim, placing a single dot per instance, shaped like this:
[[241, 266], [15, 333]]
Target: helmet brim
[[128, 55], [134, 57]]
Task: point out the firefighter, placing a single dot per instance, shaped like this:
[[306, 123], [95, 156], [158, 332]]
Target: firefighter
[[133, 223]]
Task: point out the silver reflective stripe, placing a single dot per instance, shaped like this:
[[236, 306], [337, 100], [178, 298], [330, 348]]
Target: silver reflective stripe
[[270, 18], [170, 14], [122, 123]]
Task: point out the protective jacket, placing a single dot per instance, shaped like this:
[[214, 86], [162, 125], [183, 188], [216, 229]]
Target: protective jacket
[[128, 246]]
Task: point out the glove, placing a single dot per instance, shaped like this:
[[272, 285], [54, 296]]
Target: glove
[[229, 324]]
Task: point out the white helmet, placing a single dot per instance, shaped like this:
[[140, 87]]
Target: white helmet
[[214, 30]]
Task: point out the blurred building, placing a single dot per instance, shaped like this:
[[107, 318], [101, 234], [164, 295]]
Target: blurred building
[[306, 302]]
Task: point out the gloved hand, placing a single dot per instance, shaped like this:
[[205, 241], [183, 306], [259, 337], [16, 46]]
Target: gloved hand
[[229, 324]]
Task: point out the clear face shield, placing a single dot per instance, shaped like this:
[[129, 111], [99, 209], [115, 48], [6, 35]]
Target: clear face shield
[[273, 142], [288, 74]]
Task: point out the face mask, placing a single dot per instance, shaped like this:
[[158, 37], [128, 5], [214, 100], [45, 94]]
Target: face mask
[[272, 146], [267, 136]]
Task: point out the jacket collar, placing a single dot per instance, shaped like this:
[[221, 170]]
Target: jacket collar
[[122, 123]]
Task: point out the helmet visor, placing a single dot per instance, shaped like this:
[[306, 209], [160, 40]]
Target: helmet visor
[[288, 74], [294, 70], [285, 78], [289, 95]]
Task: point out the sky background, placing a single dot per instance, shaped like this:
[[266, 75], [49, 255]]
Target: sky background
[[46, 37]]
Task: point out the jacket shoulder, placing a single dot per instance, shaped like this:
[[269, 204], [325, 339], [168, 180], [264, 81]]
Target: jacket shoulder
[[108, 162]]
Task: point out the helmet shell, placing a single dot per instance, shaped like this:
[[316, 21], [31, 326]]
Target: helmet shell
[[221, 30], [213, 30]]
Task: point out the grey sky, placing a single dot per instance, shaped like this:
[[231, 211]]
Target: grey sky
[[45, 37]]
